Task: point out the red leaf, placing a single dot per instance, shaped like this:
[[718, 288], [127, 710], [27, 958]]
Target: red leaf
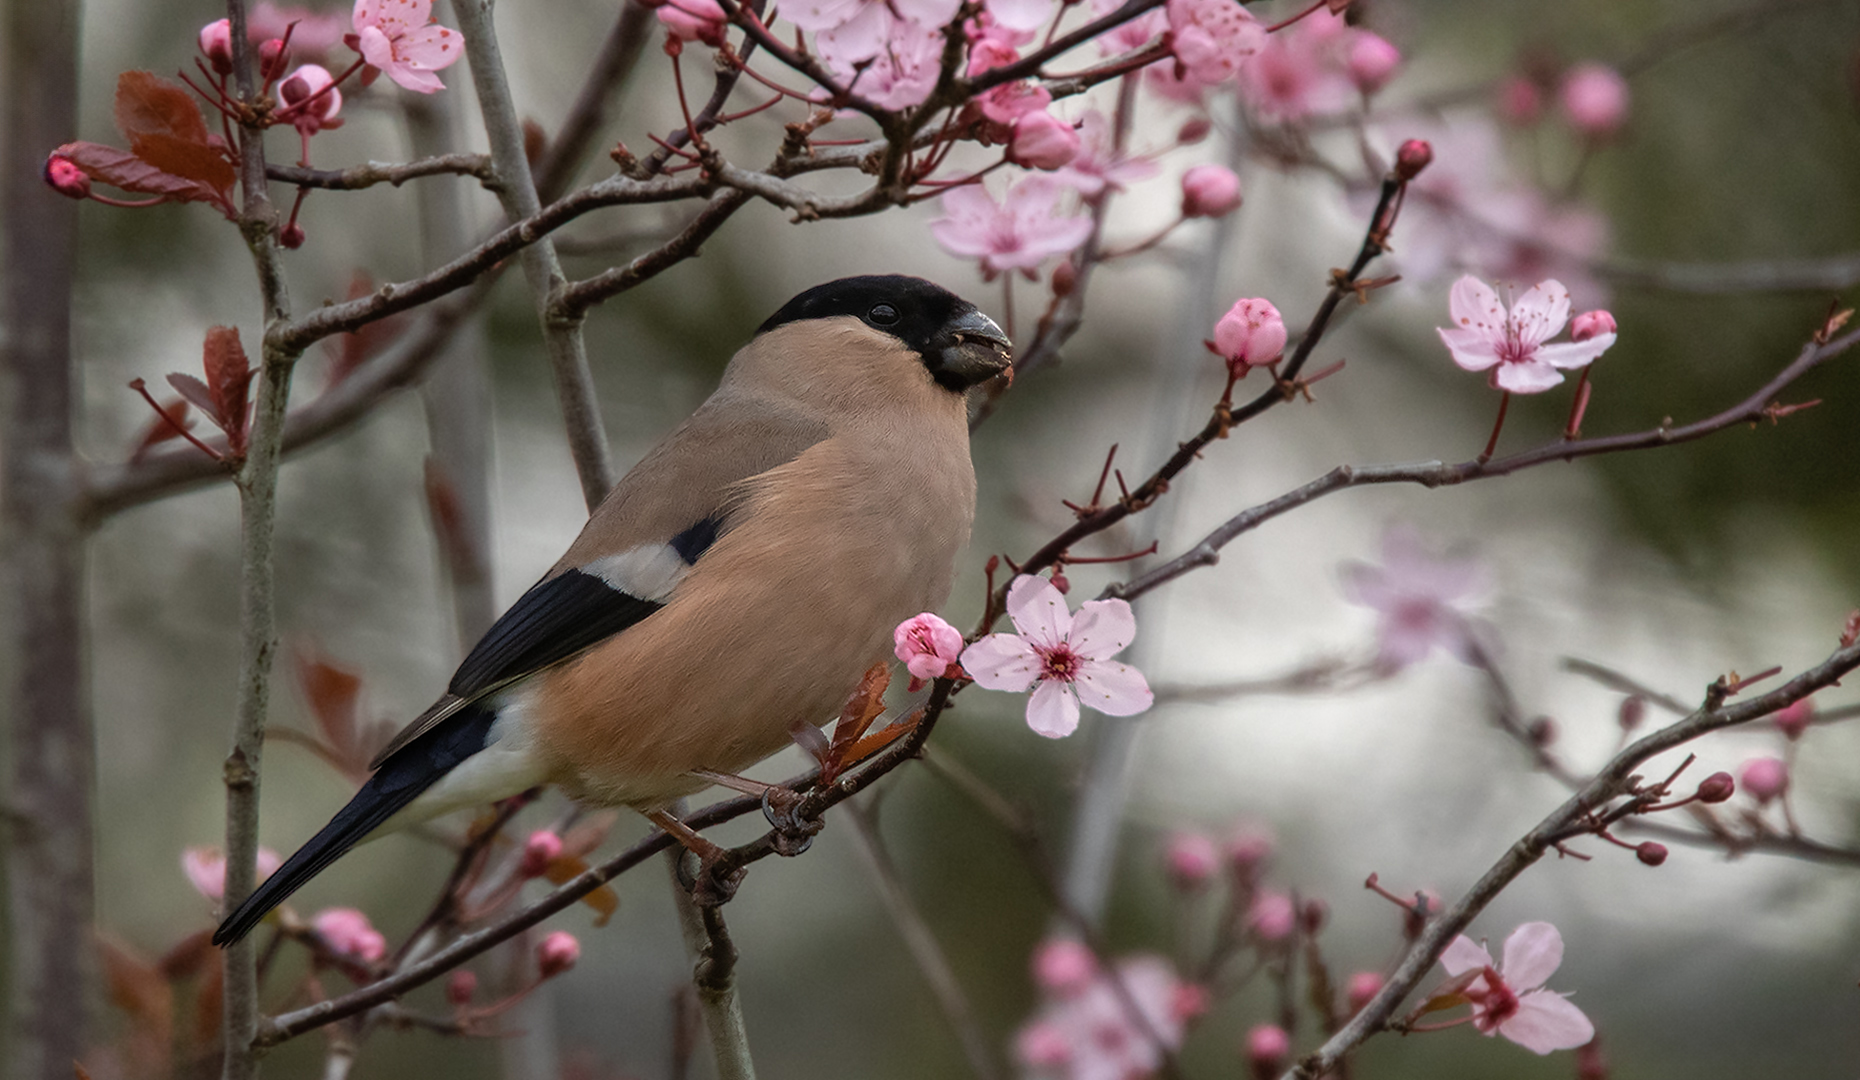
[[334, 695], [160, 430], [164, 128], [229, 376], [197, 393], [604, 900], [120, 168], [138, 988]]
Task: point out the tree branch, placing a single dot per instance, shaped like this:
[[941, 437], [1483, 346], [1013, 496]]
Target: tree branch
[[357, 177]]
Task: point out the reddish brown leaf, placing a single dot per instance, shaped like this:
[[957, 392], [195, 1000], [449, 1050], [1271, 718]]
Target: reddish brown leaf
[[878, 740], [208, 1007], [161, 429], [79, 1071], [120, 168], [604, 900], [188, 956], [229, 376], [863, 707], [448, 514], [196, 392], [138, 988], [164, 128], [334, 696], [349, 351], [589, 833]]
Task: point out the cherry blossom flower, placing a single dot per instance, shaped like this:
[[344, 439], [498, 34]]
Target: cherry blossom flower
[[205, 868], [1509, 999], [927, 645], [1415, 595], [1193, 859], [1212, 38], [542, 848], [1485, 335], [1017, 233], [1009, 102], [1251, 334], [1098, 165], [891, 62], [1210, 191], [1019, 14], [1594, 99], [557, 953], [1793, 720], [1360, 988], [1063, 967], [694, 20], [1372, 61], [349, 932], [1089, 1033], [1132, 35], [216, 45], [1067, 656], [1267, 1047], [1043, 141], [311, 102], [1765, 778], [400, 38], [1272, 916], [1302, 70]]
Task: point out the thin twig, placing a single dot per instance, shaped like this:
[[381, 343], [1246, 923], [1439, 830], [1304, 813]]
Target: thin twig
[[356, 177]]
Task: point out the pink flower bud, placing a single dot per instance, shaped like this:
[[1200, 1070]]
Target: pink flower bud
[[1519, 101], [1651, 853], [1372, 62], [1042, 1046], [1063, 966], [272, 59], [1313, 915], [1065, 278], [1193, 860], [1043, 141], [927, 645], [1633, 711], [1267, 1047], [1794, 719], [66, 178], [1360, 988], [1189, 1001], [1717, 787], [1251, 334], [348, 931], [1765, 778], [291, 236], [205, 868], [1210, 191], [694, 20], [1591, 324], [1595, 99], [461, 986], [1272, 917], [557, 953], [1249, 846], [542, 848], [1413, 156], [1193, 130], [1061, 582], [216, 45]]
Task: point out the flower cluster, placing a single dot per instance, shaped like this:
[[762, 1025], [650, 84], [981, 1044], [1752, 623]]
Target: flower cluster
[[1100, 1022], [1417, 597]]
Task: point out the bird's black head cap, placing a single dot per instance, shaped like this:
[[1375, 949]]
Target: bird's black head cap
[[958, 344]]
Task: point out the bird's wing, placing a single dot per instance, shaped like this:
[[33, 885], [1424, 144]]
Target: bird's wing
[[651, 529]]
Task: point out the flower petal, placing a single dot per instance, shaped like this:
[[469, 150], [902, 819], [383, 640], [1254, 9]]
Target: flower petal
[[1053, 711], [1464, 955], [1474, 306], [1540, 313], [1001, 662], [1102, 628], [1114, 689], [1574, 354], [1546, 1021], [1526, 377], [1038, 610], [1471, 349], [1532, 954]]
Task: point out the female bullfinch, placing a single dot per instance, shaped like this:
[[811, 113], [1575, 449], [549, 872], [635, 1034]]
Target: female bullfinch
[[737, 582]]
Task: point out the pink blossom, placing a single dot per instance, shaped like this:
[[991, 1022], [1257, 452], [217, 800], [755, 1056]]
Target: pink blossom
[[542, 848], [1009, 102], [1267, 1046], [891, 62], [1019, 14], [1510, 1000], [992, 45], [1302, 70], [1793, 720], [311, 101], [400, 38], [1372, 61], [557, 953], [1043, 141], [1193, 859], [1765, 778], [1486, 335], [205, 867], [1018, 233], [1591, 324], [1251, 334], [216, 45], [1595, 99], [1360, 988], [1062, 966], [694, 20], [348, 931], [927, 645], [1415, 595], [1519, 100], [1210, 191], [1212, 37], [66, 178], [1098, 165], [1090, 1034], [1128, 36], [1273, 916], [1068, 657], [312, 34]]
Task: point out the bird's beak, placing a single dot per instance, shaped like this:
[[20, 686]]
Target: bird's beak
[[980, 351]]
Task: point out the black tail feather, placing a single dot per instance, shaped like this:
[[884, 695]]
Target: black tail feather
[[401, 778]]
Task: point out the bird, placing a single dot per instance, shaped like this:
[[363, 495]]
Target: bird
[[737, 582]]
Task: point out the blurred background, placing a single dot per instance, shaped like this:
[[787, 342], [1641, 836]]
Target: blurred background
[[1741, 150]]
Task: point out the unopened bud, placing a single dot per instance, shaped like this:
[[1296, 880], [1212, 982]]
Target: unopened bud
[[1372, 62], [216, 46], [1633, 711], [1190, 1000], [1765, 778], [1193, 130], [1793, 721], [461, 987], [1414, 155], [542, 848], [66, 178], [273, 58], [1543, 731], [1361, 988], [1193, 860], [1717, 787], [1061, 582], [1065, 278], [1591, 324], [1519, 101], [1651, 853], [291, 236], [1267, 1047], [1313, 915], [1209, 191], [557, 953], [1064, 966]]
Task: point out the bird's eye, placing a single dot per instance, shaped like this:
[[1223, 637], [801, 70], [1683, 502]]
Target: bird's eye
[[883, 315]]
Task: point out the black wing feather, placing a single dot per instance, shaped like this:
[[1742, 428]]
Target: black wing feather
[[553, 621]]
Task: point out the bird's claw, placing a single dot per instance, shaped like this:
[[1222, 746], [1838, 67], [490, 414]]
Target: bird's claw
[[793, 832], [717, 880]]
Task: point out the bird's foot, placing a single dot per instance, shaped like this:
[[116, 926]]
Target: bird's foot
[[794, 833], [718, 877]]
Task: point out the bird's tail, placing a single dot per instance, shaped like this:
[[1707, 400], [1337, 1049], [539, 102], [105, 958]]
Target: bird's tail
[[399, 780]]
